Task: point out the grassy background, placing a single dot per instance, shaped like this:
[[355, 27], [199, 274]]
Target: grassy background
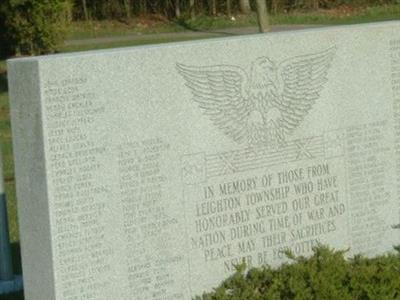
[[6, 148], [157, 24], [107, 28], [144, 40]]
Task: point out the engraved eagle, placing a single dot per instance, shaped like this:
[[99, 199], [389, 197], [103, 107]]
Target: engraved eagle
[[262, 108]]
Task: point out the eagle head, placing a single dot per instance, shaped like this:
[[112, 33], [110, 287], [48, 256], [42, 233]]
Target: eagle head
[[263, 72]]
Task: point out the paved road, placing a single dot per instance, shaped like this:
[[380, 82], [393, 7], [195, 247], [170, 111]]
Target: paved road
[[183, 34]]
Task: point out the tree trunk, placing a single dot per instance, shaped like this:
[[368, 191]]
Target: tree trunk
[[262, 15], [127, 4], [200, 7], [245, 7], [275, 6], [192, 9], [177, 9], [315, 4], [85, 10], [229, 8], [213, 7], [143, 7]]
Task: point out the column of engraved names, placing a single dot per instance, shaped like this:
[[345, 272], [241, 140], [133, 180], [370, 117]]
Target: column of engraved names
[[257, 218], [79, 200], [367, 179], [147, 225], [395, 76]]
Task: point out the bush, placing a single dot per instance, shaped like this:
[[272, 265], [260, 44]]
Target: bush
[[33, 26], [325, 275], [4, 39]]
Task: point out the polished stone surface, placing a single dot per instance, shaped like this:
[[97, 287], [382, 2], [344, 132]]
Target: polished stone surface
[[149, 172]]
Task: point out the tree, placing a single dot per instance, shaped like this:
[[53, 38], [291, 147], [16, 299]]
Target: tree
[[192, 9], [213, 7], [5, 45], [85, 10], [275, 6], [229, 8], [143, 6], [127, 4], [245, 7], [36, 26], [177, 9], [262, 15]]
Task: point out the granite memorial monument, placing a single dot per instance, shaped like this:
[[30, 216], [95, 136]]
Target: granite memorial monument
[[150, 172]]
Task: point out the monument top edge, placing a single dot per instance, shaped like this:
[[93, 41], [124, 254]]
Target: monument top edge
[[199, 41]]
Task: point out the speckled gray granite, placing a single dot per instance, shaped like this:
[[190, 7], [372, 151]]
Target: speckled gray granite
[[149, 172]]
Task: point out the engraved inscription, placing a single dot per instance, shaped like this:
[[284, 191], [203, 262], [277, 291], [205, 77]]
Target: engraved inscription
[[79, 200], [146, 222], [256, 216], [255, 206], [369, 189], [248, 159]]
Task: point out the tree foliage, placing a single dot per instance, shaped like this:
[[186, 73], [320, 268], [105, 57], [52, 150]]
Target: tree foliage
[[33, 26]]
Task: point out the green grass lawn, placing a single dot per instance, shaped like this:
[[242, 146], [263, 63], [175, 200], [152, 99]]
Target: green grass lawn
[[82, 30], [137, 42], [362, 15], [6, 148], [321, 17]]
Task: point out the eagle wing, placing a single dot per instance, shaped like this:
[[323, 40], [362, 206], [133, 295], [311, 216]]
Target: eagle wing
[[220, 92], [302, 79]]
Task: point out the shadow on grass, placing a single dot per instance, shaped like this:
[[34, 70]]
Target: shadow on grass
[[3, 82], [184, 24], [16, 258]]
